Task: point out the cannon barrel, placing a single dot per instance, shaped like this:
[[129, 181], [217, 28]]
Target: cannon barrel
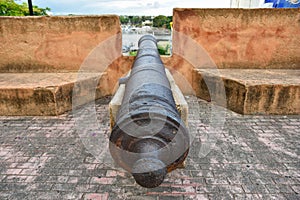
[[149, 138]]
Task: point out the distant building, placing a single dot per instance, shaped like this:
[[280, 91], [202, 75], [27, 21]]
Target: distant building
[[244, 3], [147, 23], [282, 3], [264, 3]]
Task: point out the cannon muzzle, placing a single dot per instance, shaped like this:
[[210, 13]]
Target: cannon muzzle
[[149, 138]]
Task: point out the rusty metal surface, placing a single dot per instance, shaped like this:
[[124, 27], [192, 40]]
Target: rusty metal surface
[[149, 138]]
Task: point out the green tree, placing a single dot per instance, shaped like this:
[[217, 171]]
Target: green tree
[[144, 18], [136, 20], [37, 10], [11, 8], [124, 19], [162, 21]]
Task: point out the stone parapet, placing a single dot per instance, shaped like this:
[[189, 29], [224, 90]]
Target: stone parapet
[[54, 49], [52, 44], [242, 38], [252, 91]]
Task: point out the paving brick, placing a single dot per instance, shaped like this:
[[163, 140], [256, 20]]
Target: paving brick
[[222, 196], [196, 197], [13, 171], [234, 189], [4, 187], [29, 172], [63, 187], [246, 196], [204, 189], [193, 181], [262, 180], [124, 180], [170, 197], [86, 188], [102, 180], [71, 195], [202, 173], [183, 189], [296, 188], [113, 173], [4, 195], [73, 180], [272, 196], [216, 181], [143, 197], [279, 188], [62, 179], [2, 177], [40, 186], [172, 180], [19, 178], [292, 196], [95, 196], [44, 195], [241, 165], [20, 195], [162, 189], [41, 178], [255, 189]]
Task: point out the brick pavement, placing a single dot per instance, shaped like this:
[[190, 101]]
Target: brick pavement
[[248, 157]]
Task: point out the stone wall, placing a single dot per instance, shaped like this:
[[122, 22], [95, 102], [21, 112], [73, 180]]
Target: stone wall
[[224, 39], [241, 38], [247, 60], [47, 44], [232, 38]]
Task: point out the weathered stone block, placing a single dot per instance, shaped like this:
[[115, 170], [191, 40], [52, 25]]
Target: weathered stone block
[[45, 93], [252, 91]]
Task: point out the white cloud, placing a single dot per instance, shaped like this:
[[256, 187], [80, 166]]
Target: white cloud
[[126, 7]]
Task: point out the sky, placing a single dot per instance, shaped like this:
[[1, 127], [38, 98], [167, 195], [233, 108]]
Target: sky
[[125, 7]]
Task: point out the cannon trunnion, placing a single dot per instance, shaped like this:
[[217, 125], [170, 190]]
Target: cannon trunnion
[[149, 138]]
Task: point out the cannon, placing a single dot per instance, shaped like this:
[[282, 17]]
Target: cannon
[[149, 138]]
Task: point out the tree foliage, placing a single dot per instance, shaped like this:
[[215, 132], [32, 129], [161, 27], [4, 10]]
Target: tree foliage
[[136, 20], [11, 8], [144, 18], [162, 21], [124, 19]]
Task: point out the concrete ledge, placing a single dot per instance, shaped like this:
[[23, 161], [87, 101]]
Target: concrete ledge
[[253, 91], [180, 101], [44, 93]]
